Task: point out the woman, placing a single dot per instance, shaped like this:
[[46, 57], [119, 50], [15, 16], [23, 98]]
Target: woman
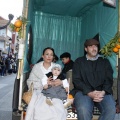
[[38, 109]]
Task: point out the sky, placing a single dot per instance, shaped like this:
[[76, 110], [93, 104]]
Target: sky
[[11, 7]]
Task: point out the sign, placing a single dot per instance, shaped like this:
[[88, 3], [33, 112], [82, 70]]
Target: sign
[[71, 116]]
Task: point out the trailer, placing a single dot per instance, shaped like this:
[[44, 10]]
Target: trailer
[[64, 25]]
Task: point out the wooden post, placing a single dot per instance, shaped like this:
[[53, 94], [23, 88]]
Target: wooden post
[[21, 61], [118, 82], [119, 15]]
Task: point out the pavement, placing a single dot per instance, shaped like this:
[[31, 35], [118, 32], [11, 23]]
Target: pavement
[[6, 93]]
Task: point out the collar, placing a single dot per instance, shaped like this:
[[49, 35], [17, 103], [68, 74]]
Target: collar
[[68, 61], [94, 58]]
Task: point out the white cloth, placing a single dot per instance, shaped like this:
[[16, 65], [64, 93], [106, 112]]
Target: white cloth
[[37, 108], [44, 80], [65, 83]]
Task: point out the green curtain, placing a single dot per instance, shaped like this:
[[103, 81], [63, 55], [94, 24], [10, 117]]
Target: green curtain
[[103, 20], [68, 34], [61, 33], [58, 32]]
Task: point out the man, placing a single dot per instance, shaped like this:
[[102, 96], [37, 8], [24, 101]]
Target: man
[[55, 59], [68, 63], [93, 80]]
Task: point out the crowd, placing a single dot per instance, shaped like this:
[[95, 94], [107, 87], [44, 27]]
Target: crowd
[[7, 65]]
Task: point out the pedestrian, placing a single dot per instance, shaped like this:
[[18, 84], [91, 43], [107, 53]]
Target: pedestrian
[[2, 66], [93, 80], [10, 70]]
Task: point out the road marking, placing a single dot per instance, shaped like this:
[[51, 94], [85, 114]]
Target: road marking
[[3, 85]]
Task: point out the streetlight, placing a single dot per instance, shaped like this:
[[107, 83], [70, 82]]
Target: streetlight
[[10, 41]]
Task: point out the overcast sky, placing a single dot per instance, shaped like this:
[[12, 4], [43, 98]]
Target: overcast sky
[[11, 7]]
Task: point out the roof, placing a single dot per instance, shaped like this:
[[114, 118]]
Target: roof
[[64, 7], [3, 22], [1, 18]]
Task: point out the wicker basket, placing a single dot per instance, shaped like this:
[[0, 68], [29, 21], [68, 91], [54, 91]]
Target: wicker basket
[[28, 95]]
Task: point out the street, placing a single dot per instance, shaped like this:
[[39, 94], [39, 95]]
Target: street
[[6, 93]]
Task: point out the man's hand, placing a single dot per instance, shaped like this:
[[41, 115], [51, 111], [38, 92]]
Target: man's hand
[[97, 96], [92, 94]]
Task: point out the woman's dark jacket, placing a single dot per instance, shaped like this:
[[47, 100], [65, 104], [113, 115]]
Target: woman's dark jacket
[[92, 75]]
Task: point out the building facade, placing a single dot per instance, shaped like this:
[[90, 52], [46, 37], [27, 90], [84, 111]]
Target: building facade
[[7, 38]]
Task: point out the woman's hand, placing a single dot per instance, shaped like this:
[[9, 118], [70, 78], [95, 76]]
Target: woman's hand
[[57, 82], [49, 80]]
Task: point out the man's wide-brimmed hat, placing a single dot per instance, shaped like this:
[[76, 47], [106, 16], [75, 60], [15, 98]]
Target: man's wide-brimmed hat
[[90, 42]]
